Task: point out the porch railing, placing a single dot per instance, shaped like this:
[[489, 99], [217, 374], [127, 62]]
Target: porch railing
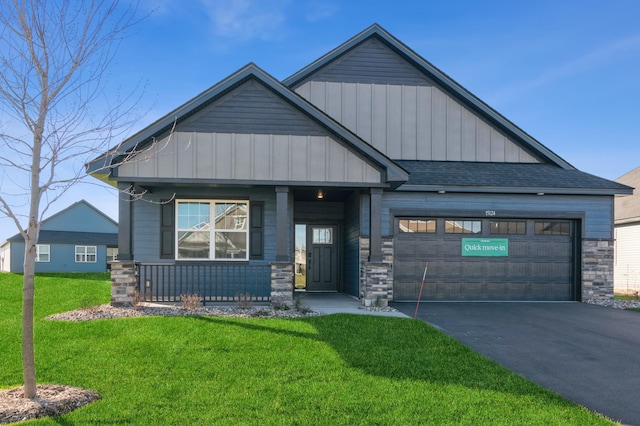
[[213, 282]]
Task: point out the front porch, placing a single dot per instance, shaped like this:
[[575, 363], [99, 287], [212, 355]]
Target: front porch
[[134, 282], [333, 243]]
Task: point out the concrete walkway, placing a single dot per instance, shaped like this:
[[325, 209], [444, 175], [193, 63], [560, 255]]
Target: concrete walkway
[[333, 303], [588, 354]]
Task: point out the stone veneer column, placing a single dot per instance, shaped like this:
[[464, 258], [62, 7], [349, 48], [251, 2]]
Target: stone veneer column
[[376, 278], [282, 283], [124, 281], [597, 269]]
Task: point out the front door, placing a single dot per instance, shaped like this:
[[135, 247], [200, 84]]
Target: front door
[[322, 258]]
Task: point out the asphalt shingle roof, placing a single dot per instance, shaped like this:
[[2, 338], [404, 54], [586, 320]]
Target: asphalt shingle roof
[[532, 176], [67, 237]]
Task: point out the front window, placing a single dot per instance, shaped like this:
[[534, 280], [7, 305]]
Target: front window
[[43, 253], [85, 254], [212, 230]]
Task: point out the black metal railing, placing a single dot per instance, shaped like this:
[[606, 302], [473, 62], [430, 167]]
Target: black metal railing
[[212, 282]]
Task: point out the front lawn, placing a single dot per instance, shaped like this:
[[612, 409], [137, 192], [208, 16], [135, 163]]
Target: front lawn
[[328, 370]]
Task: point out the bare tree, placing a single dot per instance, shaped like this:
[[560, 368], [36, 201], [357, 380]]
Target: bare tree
[[54, 58]]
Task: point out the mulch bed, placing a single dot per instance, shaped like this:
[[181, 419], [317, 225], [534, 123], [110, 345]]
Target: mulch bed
[[50, 400]]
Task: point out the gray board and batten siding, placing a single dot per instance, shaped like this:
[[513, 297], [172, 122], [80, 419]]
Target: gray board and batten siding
[[258, 138], [379, 96]]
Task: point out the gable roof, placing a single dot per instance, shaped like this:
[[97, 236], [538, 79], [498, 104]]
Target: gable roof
[[103, 164], [529, 178], [70, 236], [437, 76], [73, 206]]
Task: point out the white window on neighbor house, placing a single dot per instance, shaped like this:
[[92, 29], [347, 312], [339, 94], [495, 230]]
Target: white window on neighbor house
[[43, 253], [112, 254], [86, 254], [212, 230]]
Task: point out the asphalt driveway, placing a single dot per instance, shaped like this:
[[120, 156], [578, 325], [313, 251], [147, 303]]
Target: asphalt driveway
[[586, 353]]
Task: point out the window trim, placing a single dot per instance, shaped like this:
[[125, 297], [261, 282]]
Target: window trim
[[39, 253], [84, 255], [212, 230]]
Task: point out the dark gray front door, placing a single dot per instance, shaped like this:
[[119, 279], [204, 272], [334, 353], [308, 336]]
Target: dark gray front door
[[322, 258]]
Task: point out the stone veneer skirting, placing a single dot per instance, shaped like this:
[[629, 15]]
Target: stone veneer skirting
[[597, 269], [124, 280], [376, 279], [282, 277]]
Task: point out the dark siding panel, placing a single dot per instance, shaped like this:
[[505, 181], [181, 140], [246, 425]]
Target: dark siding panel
[[251, 109], [372, 62]]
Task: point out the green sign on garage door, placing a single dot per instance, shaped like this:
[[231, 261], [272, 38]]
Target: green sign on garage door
[[485, 247]]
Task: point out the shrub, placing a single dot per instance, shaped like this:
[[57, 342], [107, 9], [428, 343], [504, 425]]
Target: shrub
[[190, 302], [279, 303], [243, 301]]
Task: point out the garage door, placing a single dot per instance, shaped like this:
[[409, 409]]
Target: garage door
[[482, 259]]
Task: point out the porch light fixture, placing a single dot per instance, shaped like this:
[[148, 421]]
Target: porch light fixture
[[320, 194], [147, 283]]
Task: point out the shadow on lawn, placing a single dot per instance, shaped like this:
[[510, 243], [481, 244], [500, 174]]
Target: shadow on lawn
[[85, 276], [402, 349]]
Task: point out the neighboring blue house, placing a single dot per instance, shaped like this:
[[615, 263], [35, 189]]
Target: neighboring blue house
[[349, 176], [79, 238]]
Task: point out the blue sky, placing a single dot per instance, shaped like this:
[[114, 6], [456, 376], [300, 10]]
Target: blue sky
[[566, 72]]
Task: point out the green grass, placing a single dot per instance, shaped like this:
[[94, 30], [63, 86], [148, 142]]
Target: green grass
[[627, 297], [329, 370]]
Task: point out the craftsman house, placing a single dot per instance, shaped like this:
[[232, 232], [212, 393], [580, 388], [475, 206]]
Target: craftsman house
[[371, 162], [79, 238]]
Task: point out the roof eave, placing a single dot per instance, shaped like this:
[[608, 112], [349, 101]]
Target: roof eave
[[514, 190]]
